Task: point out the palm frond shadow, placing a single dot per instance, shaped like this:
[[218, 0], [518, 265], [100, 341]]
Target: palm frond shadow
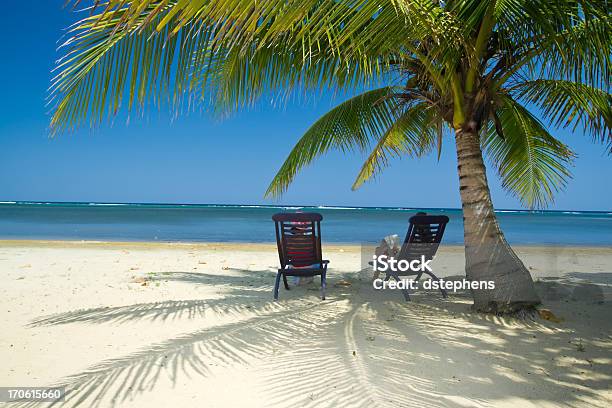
[[487, 350], [156, 311], [267, 323], [350, 350], [194, 354], [402, 358], [244, 279], [242, 290]]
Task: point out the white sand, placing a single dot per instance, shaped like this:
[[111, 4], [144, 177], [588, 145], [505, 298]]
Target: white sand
[[204, 331]]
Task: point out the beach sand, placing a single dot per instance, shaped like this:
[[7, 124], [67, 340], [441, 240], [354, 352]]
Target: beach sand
[[194, 325]]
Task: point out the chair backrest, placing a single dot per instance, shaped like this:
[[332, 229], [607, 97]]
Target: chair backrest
[[298, 237], [424, 235]]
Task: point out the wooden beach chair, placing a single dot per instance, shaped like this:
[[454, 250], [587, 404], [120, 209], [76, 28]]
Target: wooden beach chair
[[298, 237], [423, 238]]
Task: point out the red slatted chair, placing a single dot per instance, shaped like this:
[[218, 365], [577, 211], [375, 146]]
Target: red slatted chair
[[298, 237]]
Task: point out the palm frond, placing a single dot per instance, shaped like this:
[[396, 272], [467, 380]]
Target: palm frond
[[551, 41], [567, 103], [531, 163], [349, 126], [102, 66], [230, 52], [241, 78], [157, 51], [414, 133]]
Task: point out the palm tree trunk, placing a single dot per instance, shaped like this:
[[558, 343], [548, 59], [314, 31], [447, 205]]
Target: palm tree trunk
[[488, 257]]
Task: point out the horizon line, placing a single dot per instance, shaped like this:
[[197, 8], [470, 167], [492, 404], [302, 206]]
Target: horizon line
[[285, 206]]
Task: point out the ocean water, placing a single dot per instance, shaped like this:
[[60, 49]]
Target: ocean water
[[246, 223]]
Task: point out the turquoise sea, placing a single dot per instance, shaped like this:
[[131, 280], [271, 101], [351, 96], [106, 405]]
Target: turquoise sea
[[252, 223]]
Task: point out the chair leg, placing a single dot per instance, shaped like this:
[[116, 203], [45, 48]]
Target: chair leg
[[444, 294], [285, 282], [406, 295], [404, 290], [277, 284], [323, 285]]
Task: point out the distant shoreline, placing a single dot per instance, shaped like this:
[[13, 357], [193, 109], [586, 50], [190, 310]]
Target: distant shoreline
[[287, 206], [255, 246]]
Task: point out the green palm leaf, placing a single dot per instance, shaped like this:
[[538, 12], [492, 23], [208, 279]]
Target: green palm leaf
[[103, 65], [567, 103], [551, 40], [531, 163], [349, 126], [414, 133], [231, 52]]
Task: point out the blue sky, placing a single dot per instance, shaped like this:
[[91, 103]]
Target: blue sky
[[200, 159]]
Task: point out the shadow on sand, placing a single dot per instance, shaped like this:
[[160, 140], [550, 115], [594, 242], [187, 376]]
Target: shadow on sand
[[358, 348]]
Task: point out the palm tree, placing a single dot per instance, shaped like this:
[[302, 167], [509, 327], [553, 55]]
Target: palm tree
[[476, 70]]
